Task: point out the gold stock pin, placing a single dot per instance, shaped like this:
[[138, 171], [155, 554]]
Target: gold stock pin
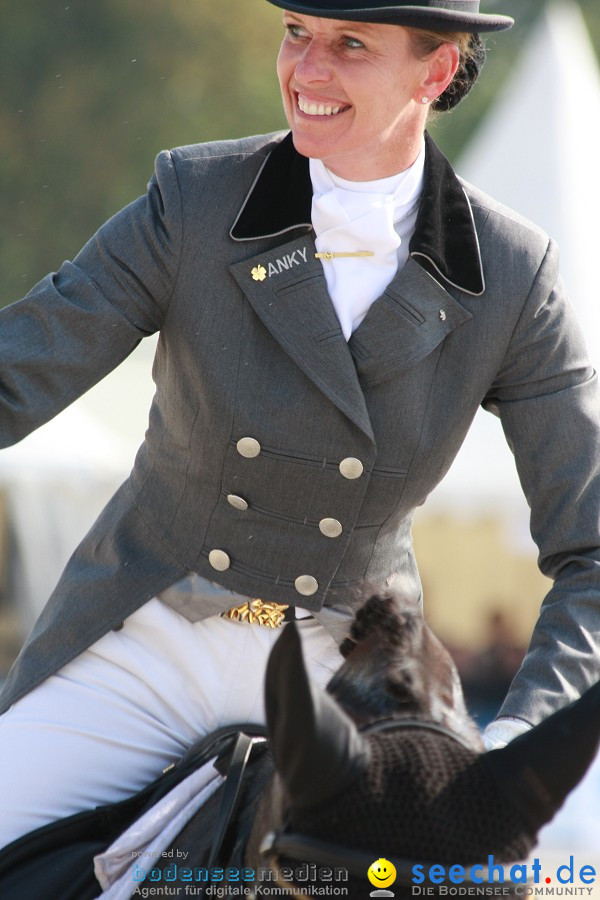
[[332, 254]]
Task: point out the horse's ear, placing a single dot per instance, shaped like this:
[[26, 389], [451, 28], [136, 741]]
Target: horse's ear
[[317, 748], [541, 767]]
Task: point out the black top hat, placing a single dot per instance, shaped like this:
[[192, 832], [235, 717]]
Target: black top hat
[[441, 15]]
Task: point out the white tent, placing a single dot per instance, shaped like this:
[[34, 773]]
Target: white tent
[[538, 150], [56, 481]]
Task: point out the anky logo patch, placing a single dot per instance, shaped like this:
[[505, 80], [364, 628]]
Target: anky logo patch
[[282, 264]]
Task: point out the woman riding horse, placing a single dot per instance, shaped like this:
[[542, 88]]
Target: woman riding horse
[[333, 305]]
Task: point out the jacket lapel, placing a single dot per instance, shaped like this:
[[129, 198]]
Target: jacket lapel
[[403, 326], [413, 316], [445, 240], [287, 290], [280, 200]]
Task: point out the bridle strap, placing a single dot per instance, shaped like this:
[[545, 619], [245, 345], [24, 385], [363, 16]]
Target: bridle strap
[[393, 723], [303, 849], [356, 862]]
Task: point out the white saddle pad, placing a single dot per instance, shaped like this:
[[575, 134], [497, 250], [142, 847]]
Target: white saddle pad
[[144, 842]]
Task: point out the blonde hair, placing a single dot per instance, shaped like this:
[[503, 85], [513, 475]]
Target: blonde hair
[[424, 42]]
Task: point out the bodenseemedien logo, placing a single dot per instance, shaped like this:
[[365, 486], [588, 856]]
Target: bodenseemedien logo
[[382, 875]]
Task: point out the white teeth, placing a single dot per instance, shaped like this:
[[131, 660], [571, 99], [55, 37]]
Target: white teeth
[[314, 109]]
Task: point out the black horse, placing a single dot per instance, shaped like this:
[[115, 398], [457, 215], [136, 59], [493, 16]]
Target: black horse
[[384, 768], [386, 764]]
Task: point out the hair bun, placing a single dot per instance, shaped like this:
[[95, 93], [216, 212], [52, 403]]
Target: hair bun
[[465, 78]]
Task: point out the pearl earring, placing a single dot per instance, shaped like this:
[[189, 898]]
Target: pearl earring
[[424, 99]]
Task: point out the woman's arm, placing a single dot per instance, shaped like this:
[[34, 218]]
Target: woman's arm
[[548, 400], [79, 323]]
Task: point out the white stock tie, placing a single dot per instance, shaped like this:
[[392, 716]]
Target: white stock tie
[[349, 217]]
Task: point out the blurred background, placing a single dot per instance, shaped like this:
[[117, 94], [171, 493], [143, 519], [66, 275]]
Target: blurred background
[[90, 92]]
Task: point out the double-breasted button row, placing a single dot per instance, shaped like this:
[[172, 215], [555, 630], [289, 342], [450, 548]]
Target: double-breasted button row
[[350, 467], [306, 585], [331, 528]]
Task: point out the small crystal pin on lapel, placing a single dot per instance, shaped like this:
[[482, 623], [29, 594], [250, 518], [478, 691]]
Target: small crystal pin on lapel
[[442, 315], [259, 273], [328, 255]]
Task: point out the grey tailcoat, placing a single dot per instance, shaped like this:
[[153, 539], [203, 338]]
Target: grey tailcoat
[[219, 258]]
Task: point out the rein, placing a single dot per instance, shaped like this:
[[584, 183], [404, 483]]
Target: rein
[[234, 770]]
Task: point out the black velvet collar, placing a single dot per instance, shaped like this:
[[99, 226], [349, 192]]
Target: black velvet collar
[[445, 240]]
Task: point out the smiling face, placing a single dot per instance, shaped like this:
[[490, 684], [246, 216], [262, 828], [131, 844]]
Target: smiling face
[[352, 93]]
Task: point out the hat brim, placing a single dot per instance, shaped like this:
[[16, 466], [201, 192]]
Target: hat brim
[[409, 16]]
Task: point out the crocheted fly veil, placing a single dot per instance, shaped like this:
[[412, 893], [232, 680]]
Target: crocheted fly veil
[[425, 798], [417, 789]]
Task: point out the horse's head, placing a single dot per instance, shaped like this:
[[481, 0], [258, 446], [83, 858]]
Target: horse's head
[[386, 762], [395, 665]]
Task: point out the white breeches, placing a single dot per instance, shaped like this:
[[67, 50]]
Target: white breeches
[[110, 721]]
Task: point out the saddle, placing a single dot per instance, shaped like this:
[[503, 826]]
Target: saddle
[[56, 861]]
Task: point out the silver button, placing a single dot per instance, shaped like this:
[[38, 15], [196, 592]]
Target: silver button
[[248, 447], [237, 502], [331, 528], [219, 560], [351, 468], [306, 585]]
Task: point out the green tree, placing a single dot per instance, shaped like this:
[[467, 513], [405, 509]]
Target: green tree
[[90, 92]]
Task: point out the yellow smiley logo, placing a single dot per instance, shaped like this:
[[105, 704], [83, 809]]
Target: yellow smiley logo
[[381, 873]]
